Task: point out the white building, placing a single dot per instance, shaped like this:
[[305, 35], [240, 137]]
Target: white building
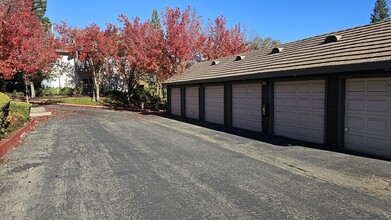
[[64, 73]]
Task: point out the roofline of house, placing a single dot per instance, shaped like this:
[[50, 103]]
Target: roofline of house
[[381, 65]]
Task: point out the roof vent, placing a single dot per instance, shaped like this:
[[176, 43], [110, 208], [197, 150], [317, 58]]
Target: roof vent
[[332, 38], [215, 62], [277, 50], [239, 58]]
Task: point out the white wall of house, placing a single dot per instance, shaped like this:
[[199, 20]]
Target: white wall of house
[[63, 73]]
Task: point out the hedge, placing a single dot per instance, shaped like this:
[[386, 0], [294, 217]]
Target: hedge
[[21, 108], [67, 91], [4, 105], [51, 91]]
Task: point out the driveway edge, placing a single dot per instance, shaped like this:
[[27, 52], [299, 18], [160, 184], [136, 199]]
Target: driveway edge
[[80, 105], [11, 142]]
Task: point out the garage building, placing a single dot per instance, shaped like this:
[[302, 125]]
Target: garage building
[[333, 89]]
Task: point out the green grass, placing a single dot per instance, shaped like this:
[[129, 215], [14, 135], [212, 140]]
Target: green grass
[[79, 100]]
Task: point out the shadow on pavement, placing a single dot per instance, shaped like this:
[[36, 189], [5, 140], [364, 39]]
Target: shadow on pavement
[[270, 139]]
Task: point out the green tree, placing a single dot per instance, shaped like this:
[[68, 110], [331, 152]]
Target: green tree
[[153, 80], [380, 12], [39, 10], [155, 21], [259, 43]]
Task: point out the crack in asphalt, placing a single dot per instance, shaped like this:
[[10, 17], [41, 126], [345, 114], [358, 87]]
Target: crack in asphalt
[[26, 167]]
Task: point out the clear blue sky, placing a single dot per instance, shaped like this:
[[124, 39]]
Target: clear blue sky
[[286, 20]]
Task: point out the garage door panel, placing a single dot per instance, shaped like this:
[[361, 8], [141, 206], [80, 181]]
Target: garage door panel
[[355, 122], [355, 86], [279, 89], [302, 88], [176, 101], [355, 104], [299, 110], [303, 131], [377, 124], [317, 134], [245, 113], [247, 106], [317, 119], [378, 144], [377, 86], [368, 115], [318, 88], [192, 102], [304, 103], [304, 118], [291, 102], [214, 104], [377, 105], [290, 87], [291, 117], [279, 128], [318, 103], [355, 140], [279, 115], [279, 102], [291, 130]]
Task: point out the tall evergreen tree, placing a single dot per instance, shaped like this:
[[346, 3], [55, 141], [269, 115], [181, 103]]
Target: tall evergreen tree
[[380, 12], [39, 9], [155, 21]]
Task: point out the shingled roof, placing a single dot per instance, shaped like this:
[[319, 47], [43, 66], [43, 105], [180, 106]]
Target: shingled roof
[[362, 48]]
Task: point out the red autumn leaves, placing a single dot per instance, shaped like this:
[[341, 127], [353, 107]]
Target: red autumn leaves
[[141, 47], [134, 49], [25, 46]]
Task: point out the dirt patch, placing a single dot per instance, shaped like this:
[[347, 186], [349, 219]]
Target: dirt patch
[[4, 161]]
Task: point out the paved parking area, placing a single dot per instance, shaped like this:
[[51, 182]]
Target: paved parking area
[[100, 164]]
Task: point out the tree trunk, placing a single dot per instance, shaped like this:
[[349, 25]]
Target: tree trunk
[[97, 84], [130, 89], [131, 83], [97, 90], [32, 89], [94, 89], [26, 86]]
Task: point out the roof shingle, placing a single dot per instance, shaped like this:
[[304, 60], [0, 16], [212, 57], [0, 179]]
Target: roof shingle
[[361, 45]]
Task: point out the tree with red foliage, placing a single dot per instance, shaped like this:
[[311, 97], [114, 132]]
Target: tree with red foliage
[[184, 40], [92, 47], [222, 41], [139, 50], [24, 45]]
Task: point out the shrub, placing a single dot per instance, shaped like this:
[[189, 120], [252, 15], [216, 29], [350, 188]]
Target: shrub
[[17, 95], [39, 92], [153, 103], [116, 98], [51, 91], [117, 95], [15, 121], [21, 108], [67, 91], [4, 104]]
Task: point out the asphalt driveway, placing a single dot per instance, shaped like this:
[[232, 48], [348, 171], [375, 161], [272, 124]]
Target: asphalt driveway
[[100, 164]]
